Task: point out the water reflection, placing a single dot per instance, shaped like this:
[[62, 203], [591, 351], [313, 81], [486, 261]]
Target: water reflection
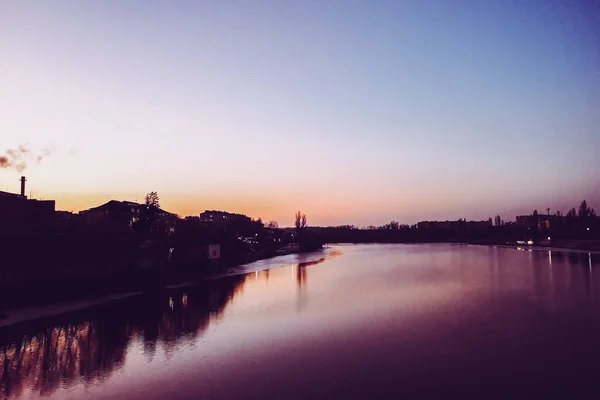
[[91, 350], [61, 355], [301, 277], [501, 288]]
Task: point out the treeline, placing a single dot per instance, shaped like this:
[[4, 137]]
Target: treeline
[[578, 223], [581, 223], [393, 232]]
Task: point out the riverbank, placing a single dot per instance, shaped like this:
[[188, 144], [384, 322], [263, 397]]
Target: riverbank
[[571, 244], [549, 244], [65, 283], [18, 314]]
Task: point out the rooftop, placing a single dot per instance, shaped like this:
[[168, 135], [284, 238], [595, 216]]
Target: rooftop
[[118, 203], [13, 195]]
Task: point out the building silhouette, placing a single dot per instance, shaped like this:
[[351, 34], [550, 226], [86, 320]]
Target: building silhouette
[[19, 214], [460, 226], [117, 216], [221, 219], [539, 221]]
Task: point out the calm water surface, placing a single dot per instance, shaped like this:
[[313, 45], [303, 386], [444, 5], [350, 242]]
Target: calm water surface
[[367, 321]]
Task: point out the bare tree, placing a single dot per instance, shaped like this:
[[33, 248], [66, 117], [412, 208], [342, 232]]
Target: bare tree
[[392, 226], [300, 220], [272, 225], [498, 220], [584, 210]]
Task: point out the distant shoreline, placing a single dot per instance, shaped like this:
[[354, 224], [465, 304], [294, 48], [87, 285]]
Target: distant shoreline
[[572, 245]]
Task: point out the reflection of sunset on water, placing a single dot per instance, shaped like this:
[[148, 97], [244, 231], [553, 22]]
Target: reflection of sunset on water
[[91, 351], [61, 356], [155, 345]]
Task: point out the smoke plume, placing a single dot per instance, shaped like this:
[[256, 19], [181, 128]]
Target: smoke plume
[[45, 153], [17, 158]]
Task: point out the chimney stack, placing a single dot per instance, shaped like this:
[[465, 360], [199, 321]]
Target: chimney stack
[[23, 186]]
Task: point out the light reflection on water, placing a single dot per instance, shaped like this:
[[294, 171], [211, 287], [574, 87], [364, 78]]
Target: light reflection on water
[[354, 316]]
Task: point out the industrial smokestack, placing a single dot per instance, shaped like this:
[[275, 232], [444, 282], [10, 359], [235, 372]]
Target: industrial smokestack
[[23, 186]]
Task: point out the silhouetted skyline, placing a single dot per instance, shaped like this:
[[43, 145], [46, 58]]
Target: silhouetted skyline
[[356, 113]]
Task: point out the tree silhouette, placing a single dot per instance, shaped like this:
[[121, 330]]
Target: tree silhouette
[[149, 221], [584, 210], [272, 225], [300, 221], [308, 241], [392, 226], [535, 213], [297, 219], [152, 200]]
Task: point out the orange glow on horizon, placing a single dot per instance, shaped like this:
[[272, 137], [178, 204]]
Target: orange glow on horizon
[[321, 208], [320, 211]]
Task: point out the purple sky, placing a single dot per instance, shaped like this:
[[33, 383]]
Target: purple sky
[[355, 112]]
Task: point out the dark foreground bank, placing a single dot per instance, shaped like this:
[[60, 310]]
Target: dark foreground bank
[[91, 277]]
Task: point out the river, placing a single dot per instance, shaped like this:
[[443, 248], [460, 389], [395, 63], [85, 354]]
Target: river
[[364, 321]]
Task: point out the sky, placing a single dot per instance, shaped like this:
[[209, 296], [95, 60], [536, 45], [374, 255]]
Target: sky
[[355, 112]]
